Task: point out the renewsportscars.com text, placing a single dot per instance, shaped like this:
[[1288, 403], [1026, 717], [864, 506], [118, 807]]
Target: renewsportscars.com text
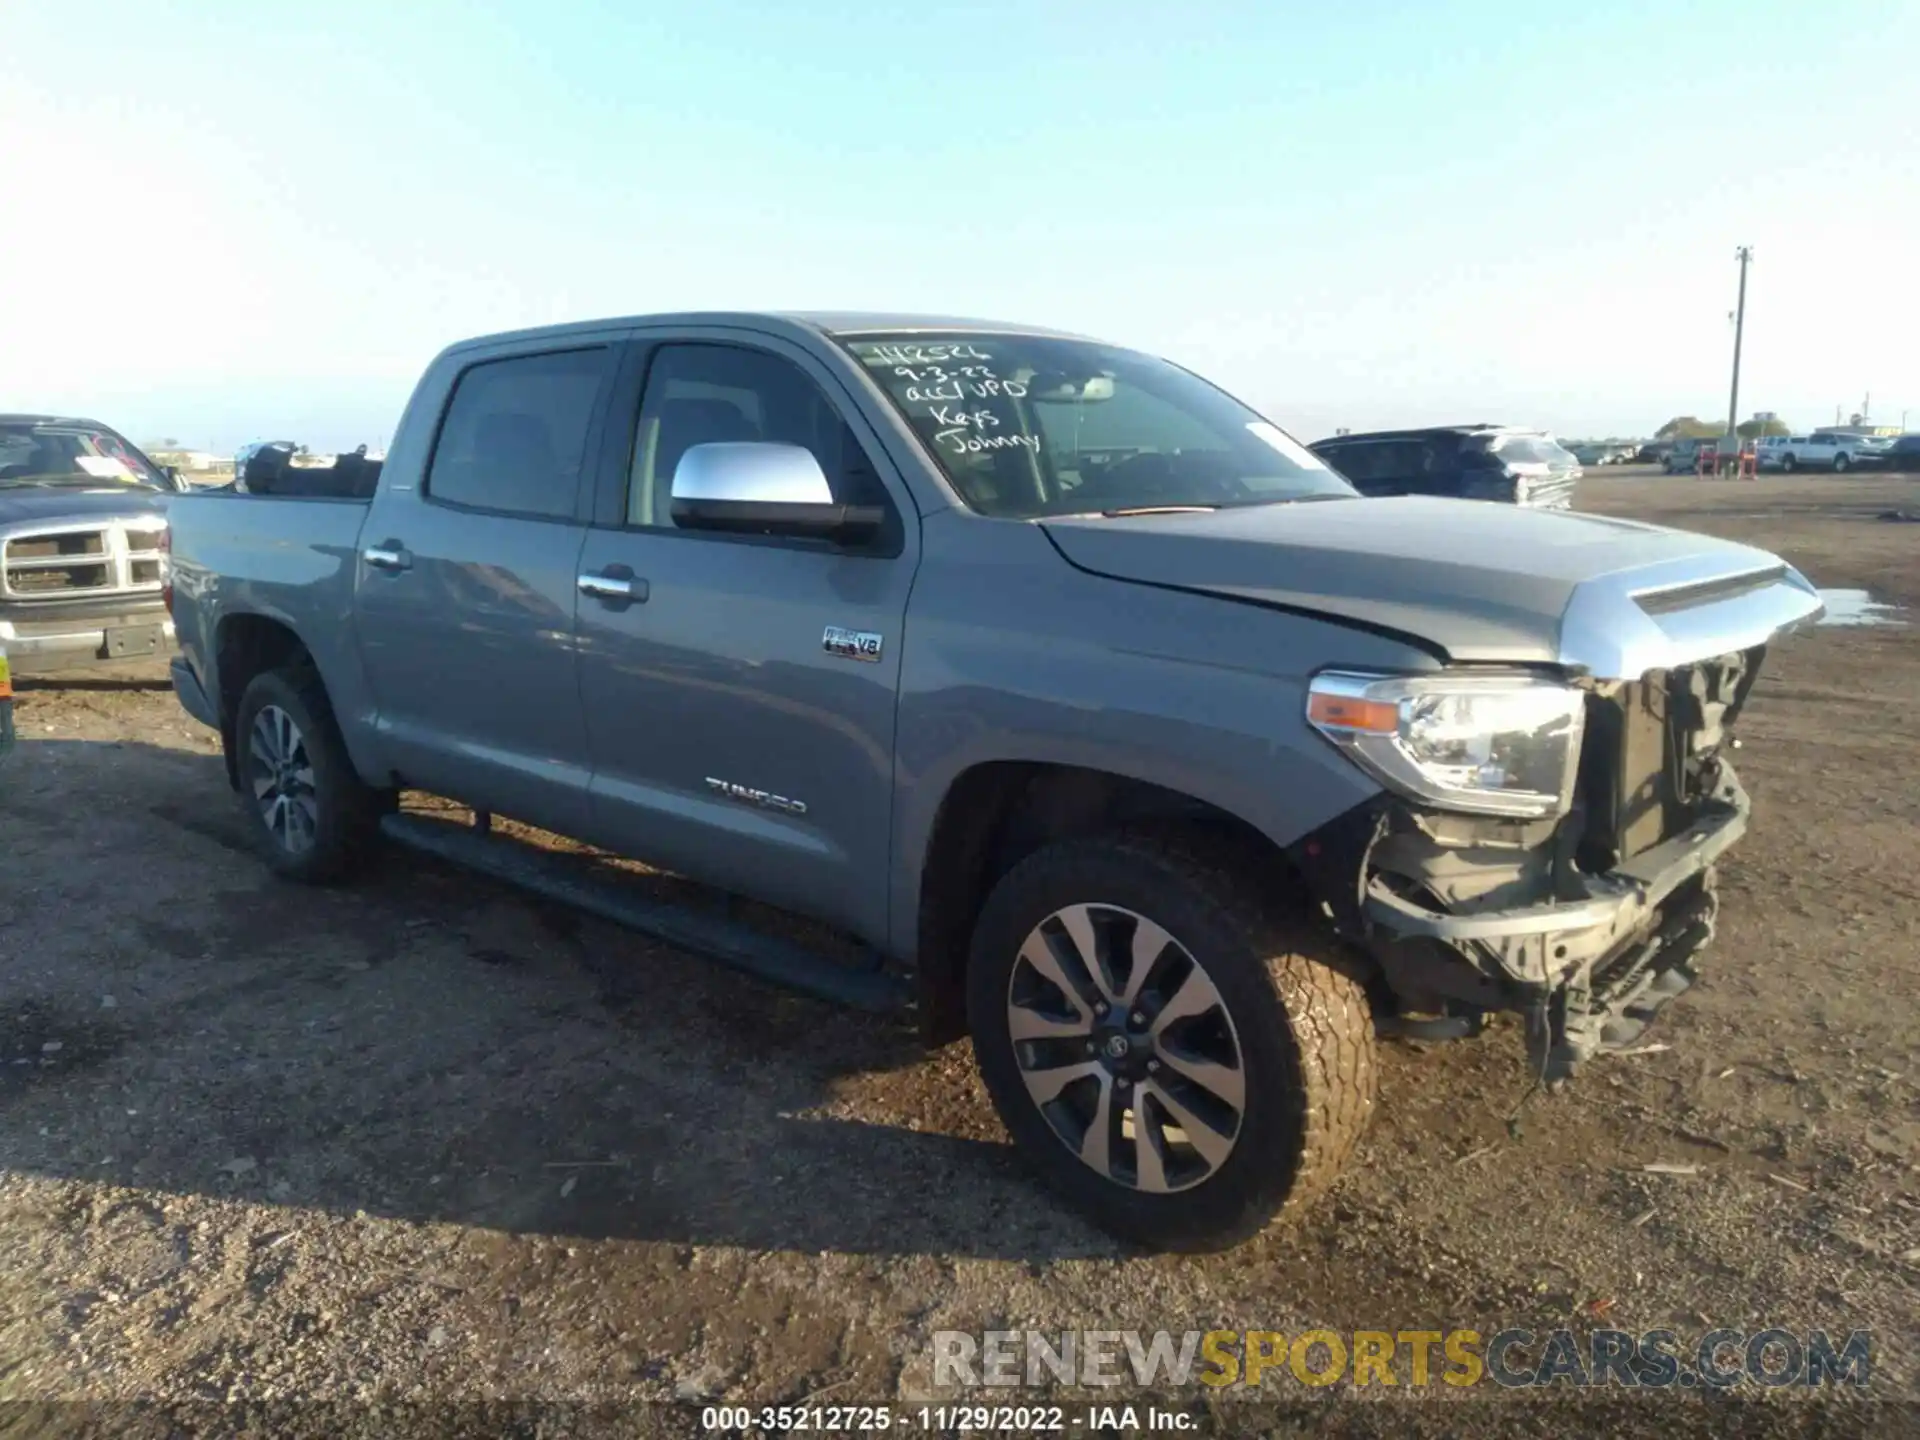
[[1514, 1358]]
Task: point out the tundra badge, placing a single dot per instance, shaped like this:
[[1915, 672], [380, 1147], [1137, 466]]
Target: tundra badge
[[851, 644], [766, 800]]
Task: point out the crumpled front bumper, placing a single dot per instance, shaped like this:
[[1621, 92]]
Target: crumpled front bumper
[[1589, 970], [1536, 941]]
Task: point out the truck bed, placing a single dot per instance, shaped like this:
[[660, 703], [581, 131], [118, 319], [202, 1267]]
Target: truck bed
[[276, 558]]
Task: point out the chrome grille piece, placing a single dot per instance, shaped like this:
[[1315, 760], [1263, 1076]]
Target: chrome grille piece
[[73, 562]]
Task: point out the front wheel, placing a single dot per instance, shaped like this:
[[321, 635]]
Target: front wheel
[[1789, 464], [313, 818], [1177, 1057]]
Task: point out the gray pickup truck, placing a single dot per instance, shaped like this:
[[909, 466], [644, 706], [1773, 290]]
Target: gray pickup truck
[[1120, 732]]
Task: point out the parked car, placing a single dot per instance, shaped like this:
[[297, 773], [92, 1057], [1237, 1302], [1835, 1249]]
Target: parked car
[[1838, 453], [1683, 456], [1466, 462], [1126, 734], [1903, 454], [82, 545], [1768, 451]]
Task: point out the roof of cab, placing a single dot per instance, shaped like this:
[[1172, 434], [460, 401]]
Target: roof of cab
[[818, 322]]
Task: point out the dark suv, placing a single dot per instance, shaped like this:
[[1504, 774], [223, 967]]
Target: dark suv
[[1903, 455], [1464, 462]]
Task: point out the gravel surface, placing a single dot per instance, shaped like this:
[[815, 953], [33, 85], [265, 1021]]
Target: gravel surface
[[425, 1140]]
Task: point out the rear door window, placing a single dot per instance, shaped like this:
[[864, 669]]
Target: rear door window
[[1529, 450], [1357, 460], [515, 434]]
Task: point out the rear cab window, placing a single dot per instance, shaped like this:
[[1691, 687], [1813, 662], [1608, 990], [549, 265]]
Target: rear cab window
[[514, 436]]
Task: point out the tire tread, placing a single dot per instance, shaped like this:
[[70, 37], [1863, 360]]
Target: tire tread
[[1325, 1033]]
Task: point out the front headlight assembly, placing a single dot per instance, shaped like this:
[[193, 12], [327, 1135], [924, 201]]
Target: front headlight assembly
[[1483, 744]]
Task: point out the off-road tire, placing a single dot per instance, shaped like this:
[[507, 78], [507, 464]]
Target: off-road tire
[[348, 810], [1304, 1025]]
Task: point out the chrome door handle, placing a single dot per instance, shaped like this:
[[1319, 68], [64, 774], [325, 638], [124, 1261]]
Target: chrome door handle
[[387, 557], [613, 587]]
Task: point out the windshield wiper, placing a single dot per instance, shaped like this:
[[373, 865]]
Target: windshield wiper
[[1125, 511], [1306, 499]]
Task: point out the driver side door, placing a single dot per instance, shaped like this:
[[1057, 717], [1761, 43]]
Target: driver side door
[[734, 740]]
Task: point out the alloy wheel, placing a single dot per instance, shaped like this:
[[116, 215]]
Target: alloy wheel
[[281, 773], [1127, 1048]]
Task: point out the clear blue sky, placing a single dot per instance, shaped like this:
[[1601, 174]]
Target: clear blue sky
[[222, 221]]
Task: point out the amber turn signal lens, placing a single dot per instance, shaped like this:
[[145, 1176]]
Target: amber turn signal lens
[[1378, 717]]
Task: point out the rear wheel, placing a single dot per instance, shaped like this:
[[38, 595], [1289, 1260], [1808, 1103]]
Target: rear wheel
[[313, 819], [1174, 1055], [1842, 463]]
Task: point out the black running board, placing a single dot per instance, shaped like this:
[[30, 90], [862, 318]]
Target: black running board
[[740, 947]]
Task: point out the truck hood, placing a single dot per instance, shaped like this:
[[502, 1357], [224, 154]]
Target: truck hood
[[49, 504], [1475, 582]]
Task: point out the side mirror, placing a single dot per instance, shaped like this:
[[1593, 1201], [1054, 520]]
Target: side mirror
[[760, 488], [175, 478]]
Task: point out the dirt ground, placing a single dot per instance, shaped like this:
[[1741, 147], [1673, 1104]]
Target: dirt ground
[[426, 1140]]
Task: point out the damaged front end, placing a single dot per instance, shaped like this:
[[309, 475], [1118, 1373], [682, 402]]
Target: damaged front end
[[1590, 923], [1586, 921], [1544, 841]]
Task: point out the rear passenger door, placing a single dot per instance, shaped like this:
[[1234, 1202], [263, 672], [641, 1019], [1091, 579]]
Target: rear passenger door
[[465, 598], [730, 742]]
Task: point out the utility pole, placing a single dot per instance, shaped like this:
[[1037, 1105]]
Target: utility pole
[[1745, 255]]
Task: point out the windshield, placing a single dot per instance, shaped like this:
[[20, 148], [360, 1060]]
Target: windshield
[[1529, 450], [64, 453], [1028, 426]]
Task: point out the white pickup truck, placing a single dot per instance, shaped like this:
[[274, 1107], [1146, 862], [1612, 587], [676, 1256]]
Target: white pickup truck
[[1839, 453]]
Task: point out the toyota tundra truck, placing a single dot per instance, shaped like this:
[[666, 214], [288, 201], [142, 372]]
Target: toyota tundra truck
[[1110, 727]]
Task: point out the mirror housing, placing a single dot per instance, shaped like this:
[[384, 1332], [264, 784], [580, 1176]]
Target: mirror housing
[[1051, 387], [763, 488], [174, 478]]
